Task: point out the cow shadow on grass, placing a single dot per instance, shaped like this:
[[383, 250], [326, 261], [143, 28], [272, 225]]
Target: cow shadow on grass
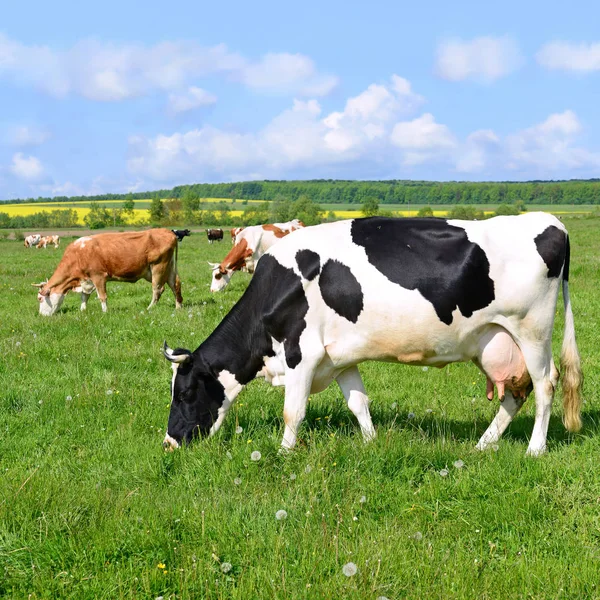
[[339, 420]]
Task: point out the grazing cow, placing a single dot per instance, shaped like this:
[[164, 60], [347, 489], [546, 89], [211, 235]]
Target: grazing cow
[[214, 235], [234, 233], [251, 244], [290, 226], [48, 239], [32, 240], [414, 291], [91, 261], [181, 233]]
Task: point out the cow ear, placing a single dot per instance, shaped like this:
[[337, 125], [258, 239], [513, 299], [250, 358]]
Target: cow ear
[[182, 356]]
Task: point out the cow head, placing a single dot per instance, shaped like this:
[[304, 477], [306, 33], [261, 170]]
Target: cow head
[[50, 302], [220, 277], [196, 396]]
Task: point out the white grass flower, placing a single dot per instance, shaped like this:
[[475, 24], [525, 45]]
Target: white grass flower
[[109, 392], [425, 369], [69, 398], [349, 569], [410, 415], [495, 447], [256, 456], [355, 518], [226, 567], [394, 406], [280, 515], [237, 481], [292, 476], [18, 344], [418, 536], [459, 464], [307, 469], [239, 429], [444, 472], [363, 499], [149, 360], [429, 411]]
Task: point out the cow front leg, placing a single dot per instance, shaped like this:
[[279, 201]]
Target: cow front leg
[[352, 387], [84, 299], [100, 284], [298, 382], [509, 407]]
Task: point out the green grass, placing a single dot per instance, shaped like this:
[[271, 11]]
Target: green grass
[[90, 504]]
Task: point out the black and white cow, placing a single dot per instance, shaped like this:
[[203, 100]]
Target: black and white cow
[[181, 233], [214, 235], [414, 291]]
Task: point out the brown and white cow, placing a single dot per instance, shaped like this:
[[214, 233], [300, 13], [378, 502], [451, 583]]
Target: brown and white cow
[[48, 239], [251, 243], [32, 240], [234, 233], [91, 261]]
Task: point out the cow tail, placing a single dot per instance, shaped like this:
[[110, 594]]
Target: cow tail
[[570, 362]]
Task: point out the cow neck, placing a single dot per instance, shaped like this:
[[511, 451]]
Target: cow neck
[[239, 343]]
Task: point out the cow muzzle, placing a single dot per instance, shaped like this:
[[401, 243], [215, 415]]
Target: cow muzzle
[[169, 444]]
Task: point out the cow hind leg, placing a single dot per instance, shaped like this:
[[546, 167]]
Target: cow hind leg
[[544, 375], [352, 387], [175, 285], [158, 284], [506, 413]]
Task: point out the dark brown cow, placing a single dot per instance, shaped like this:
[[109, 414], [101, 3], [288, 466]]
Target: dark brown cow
[[91, 261], [214, 235]]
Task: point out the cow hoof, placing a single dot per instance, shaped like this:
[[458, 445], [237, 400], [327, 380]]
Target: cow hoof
[[536, 452]]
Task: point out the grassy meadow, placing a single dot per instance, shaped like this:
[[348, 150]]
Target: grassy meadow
[[91, 506]]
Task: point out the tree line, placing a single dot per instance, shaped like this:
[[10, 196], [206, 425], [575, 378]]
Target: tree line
[[330, 191]]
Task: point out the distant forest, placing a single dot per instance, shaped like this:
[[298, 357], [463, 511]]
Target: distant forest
[[331, 191]]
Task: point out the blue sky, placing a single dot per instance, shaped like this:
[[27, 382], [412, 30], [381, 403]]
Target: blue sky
[[123, 96]]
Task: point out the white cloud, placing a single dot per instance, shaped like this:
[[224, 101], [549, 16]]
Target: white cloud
[[484, 59], [193, 98], [26, 135], [27, 168], [477, 150], [551, 145], [112, 72], [288, 73], [567, 56]]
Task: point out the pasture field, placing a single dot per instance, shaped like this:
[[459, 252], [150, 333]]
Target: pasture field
[[91, 506]]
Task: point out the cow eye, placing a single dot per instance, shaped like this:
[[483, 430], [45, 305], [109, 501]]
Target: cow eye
[[218, 275]]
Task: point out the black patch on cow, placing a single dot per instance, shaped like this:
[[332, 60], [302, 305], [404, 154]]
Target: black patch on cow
[[341, 290], [431, 256], [273, 306], [553, 246], [309, 263]]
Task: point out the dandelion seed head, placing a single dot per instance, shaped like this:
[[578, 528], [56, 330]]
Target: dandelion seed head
[[363, 499], [307, 469], [349, 569], [256, 456], [418, 536], [69, 398], [109, 392], [149, 360], [239, 429], [394, 406], [410, 415], [292, 476], [429, 411], [18, 344], [280, 515], [237, 481], [444, 472], [226, 567], [459, 464], [425, 369]]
